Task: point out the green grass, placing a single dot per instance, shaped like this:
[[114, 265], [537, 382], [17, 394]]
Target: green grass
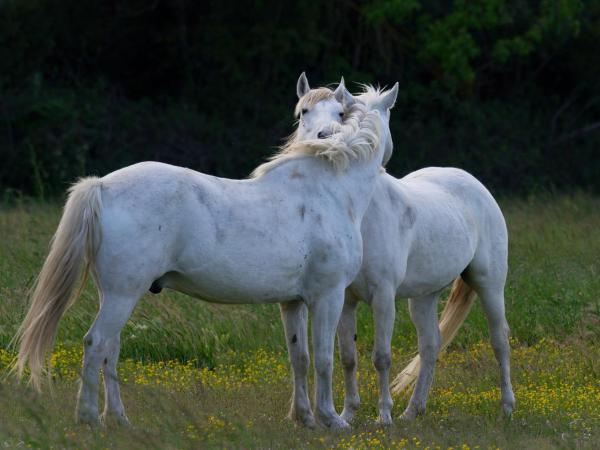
[[242, 404], [552, 293]]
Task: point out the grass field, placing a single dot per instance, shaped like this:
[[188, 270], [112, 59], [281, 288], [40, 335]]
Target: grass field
[[201, 375]]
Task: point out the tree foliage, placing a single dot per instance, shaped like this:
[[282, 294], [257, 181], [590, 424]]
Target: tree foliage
[[506, 89]]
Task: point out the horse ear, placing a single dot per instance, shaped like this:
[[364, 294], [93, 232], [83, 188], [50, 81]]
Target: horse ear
[[302, 86], [342, 94], [389, 99]]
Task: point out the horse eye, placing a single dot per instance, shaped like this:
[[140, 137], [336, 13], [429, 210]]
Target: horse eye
[[304, 110], [341, 114]]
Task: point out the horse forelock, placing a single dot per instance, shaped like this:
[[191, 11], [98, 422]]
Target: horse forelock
[[355, 139], [311, 98]]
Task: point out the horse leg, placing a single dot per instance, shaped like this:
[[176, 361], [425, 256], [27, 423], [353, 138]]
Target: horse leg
[[113, 405], [294, 317], [384, 312], [423, 312], [99, 345], [347, 342], [326, 311], [492, 301]]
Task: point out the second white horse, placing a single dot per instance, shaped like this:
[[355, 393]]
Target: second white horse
[[420, 233]]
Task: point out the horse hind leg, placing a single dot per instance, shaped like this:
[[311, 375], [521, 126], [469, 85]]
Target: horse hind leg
[[423, 312], [492, 301], [113, 405], [101, 349]]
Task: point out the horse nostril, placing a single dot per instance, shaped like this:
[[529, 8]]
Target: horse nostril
[[321, 135]]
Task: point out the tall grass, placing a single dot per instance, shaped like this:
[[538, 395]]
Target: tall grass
[[553, 283], [242, 404]]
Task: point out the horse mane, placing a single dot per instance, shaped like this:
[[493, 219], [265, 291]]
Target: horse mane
[[369, 93], [357, 138]]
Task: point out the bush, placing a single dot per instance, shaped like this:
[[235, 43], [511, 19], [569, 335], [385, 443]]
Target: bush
[[507, 90]]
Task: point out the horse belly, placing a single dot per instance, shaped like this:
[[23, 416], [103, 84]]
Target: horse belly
[[224, 287], [240, 269]]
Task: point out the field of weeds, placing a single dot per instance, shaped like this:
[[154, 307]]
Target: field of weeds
[[196, 375]]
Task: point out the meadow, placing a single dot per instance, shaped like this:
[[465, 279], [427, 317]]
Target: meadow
[[198, 375]]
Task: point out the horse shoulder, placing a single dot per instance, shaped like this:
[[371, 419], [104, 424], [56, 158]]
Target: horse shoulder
[[388, 231]]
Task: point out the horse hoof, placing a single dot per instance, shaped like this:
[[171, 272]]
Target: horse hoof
[[109, 419], [507, 410], [384, 420], [335, 423], [309, 422], [303, 420], [88, 418], [339, 424], [347, 415], [408, 416]]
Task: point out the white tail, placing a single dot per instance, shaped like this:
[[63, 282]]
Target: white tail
[[454, 314], [72, 251]]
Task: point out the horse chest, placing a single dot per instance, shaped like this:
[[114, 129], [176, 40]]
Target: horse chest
[[340, 247]]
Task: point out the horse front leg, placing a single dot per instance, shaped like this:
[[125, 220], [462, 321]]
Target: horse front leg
[[326, 311], [384, 313], [294, 316]]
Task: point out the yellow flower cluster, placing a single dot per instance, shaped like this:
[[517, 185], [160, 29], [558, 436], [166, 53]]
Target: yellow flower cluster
[[208, 431], [377, 440], [550, 379], [257, 367], [6, 358]]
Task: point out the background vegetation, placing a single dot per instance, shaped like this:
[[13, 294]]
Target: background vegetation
[[509, 90]]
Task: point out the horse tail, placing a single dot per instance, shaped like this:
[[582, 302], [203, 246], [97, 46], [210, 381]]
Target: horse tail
[[72, 253], [454, 314]]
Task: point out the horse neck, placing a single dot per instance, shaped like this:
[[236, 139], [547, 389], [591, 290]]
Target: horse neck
[[359, 180]]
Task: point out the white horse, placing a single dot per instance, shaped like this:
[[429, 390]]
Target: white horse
[[290, 234], [420, 233]]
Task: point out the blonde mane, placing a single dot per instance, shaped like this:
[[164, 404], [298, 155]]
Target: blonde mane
[[311, 98], [356, 139]]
